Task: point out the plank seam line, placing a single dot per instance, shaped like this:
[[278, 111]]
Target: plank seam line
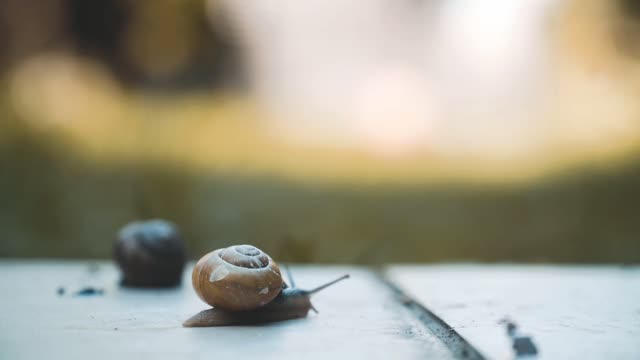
[[457, 344]]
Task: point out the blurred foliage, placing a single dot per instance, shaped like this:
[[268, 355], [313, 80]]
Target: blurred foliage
[[160, 44], [83, 151], [64, 197]]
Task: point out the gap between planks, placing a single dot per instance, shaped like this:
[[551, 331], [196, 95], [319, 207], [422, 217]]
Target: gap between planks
[[457, 344]]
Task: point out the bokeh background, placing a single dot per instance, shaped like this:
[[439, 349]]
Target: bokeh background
[[356, 131]]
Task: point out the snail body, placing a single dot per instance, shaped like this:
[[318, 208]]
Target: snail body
[[246, 295], [289, 304]]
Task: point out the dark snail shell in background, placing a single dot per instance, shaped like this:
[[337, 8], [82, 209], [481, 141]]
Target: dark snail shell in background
[[150, 254]]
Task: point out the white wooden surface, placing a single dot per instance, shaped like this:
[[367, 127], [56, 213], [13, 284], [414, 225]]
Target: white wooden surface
[[358, 319], [570, 312]]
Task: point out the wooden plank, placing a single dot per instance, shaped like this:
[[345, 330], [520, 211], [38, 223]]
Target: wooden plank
[[569, 312], [359, 318]]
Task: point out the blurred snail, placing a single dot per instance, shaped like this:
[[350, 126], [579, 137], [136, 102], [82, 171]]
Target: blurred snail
[[150, 254], [244, 286]]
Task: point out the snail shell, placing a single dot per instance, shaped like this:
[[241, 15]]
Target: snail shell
[[150, 254], [237, 278]]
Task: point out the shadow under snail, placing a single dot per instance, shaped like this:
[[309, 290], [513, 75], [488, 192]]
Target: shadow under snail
[[245, 286]]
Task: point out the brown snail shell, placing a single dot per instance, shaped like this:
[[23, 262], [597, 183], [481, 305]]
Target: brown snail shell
[[237, 278], [233, 280]]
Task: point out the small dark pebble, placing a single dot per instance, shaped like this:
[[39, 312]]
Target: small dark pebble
[[115, 328], [88, 291], [524, 346], [510, 326], [60, 291]]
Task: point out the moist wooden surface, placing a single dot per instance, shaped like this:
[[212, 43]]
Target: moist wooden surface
[[358, 318]]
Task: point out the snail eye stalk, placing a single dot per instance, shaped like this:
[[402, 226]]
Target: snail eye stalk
[[292, 282], [322, 287]]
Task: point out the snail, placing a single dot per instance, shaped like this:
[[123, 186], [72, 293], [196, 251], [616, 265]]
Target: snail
[[245, 286], [150, 254]]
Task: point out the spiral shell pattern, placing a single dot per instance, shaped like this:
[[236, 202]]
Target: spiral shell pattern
[[237, 278]]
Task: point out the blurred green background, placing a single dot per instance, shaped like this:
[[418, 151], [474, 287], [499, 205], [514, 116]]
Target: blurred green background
[[120, 110]]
